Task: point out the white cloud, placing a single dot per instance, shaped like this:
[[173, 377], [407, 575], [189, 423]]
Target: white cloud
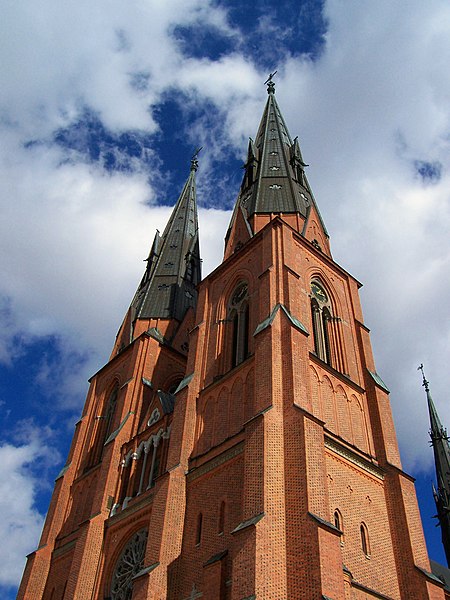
[[21, 522], [73, 237]]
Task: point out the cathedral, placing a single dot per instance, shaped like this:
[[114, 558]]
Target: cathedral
[[239, 443]]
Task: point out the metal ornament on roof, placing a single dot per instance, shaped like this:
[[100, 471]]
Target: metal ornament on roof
[[130, 562]]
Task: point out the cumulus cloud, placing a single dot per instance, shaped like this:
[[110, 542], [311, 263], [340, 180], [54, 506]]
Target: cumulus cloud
[[20, 482], [372, 112], [368, 110]]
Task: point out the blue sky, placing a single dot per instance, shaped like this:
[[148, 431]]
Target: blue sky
[[101, 107]]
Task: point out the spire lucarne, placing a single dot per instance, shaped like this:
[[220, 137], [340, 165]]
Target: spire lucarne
[[441, 449], [275, 182]]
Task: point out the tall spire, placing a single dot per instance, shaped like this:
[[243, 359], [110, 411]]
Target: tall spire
[[274, 181], [168, 287], [441, 449]]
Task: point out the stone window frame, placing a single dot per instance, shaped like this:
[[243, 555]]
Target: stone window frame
[[321, 315], [238, 315]]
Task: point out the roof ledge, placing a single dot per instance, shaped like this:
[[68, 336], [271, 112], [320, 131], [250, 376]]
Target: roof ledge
[[294, 321]]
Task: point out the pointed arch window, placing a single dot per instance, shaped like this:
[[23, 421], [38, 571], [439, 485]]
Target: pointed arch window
[[365, 539], [198, 533], [338, 523], [104, 428], [321, 318], [129, 563], [238, 318], [110, 413], [221, 522]]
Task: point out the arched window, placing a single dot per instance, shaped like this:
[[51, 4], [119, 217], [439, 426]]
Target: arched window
[[321, 317], [125, 478], [198, 533], [221, 522], [110, 412], [365, 539], [338, 523], [129, 563], [104, 428], [238, 319]]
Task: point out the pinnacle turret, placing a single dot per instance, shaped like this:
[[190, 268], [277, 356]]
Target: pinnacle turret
[[441, 449]]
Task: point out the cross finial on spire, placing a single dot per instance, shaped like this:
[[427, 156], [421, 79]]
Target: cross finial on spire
[[194, 161], [270, 84], [425, 382]]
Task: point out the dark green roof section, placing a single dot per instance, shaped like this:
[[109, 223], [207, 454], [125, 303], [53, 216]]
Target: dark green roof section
[[167, 401], [249, 522], [274, 179], [62, 472], [441, 572], [216, 558], [267, 322], [115, 433], [184, 382], [169, 285], [379, 381]]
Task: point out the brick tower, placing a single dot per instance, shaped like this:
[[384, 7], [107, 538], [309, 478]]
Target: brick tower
[[239, 443]]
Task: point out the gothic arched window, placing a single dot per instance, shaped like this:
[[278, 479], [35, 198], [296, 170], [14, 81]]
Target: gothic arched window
[[198, 533], [321, 317], [365, 539], [130, 562], [338, 523], [221, 523], [104, 427], [110, 412], [238, 318]]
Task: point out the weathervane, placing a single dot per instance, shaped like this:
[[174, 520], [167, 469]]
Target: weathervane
[[270, 84], [194, 161], [425, 382]]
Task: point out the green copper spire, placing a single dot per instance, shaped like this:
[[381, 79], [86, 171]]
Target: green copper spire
[[168, 287], [274, 180], [441, 449]]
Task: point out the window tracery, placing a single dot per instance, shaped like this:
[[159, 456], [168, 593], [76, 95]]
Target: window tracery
[[321, 316], [238, 312], [326, 328], [130, 562]]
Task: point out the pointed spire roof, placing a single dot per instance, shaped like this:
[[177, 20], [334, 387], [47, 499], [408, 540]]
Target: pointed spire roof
[[168, 287], [274, 179], [441, 449]]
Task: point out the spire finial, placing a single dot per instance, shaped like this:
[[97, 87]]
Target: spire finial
[[194, 161], [270, 84], [424, 381]]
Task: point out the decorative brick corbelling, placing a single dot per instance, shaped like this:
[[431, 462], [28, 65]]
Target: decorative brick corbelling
[[354, 458], [215, 462]]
